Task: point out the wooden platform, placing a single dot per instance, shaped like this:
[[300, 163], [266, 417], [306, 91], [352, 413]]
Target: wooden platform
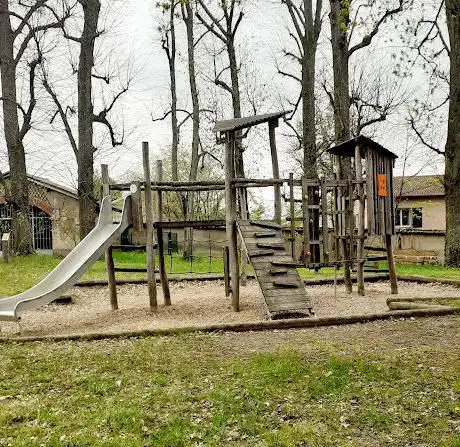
[[283, 290]]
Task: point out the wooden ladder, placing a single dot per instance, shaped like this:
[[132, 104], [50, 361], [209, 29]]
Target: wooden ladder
[[275, 270]]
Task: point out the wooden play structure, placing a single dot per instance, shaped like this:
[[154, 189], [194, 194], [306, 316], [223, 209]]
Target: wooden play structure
[[336, 215]]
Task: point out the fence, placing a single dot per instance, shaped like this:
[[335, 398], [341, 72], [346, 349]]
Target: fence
[[40, 222]]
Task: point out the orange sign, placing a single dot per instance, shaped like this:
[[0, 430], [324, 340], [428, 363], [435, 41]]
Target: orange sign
[[382, 185]]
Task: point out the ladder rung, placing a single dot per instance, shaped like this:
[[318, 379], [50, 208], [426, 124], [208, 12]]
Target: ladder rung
[[256, 253], [273, 245], [278, 271], [286, 284]]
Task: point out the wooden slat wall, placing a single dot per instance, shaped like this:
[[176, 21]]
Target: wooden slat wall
[[380, 210]]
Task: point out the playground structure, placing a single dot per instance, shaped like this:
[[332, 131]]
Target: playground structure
[[324, 204]]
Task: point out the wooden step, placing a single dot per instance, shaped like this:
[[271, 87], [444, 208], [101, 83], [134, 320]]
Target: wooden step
[[257, 253], [278, 271], [291, 264], [266, 224], [286, 283], [266, 234], [274, 245], [368, 247], [375, 258]]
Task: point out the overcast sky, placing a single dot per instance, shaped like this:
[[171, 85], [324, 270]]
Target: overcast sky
[[132, 36]]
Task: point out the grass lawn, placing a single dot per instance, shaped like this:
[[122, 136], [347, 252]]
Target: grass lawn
[[431, 271], [382, 384], [23, 272]]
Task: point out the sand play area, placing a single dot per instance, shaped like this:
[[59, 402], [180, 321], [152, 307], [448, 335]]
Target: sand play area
[[195, 304]]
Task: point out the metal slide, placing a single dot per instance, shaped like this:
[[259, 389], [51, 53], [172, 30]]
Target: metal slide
[[67, 273]]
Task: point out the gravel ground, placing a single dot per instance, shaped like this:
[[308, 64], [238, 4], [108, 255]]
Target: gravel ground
[[195, 304]]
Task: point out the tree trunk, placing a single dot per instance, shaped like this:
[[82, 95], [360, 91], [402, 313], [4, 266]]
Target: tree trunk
[[19, 195], [236, 103], [309, 135], [340, 63], [172, 75], [308, 111], [85, 159], [195, 123], [339, 20], [452, 150]]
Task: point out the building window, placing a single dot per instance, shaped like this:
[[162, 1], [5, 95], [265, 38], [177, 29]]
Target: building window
[[409, 217]]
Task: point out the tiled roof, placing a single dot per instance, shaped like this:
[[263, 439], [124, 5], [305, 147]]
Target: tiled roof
[[347, 148], [419, 186], [50, 185]]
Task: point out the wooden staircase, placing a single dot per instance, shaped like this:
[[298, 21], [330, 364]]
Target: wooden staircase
[[283, 290]]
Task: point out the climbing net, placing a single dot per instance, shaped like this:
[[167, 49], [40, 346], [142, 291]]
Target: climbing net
[[196, 248]]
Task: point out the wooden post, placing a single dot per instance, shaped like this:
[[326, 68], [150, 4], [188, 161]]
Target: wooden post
[[244, 255], [325, 222], [391, 265], [306, 221], [149, 223], [6, 247], [161, 254], [272, 125], [345, 249], [226, 271], [292, 213], [111, 280], [138, 221], [361, 210], [230, 220]]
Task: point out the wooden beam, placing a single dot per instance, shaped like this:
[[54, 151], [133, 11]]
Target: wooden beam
[[149, 222], [6, 247], [160, 241], [391, 265], [361, 213], [306, 221], [230, 219], [275, 166], [138, 221], [108, 254], [292, 213], [203, 224]]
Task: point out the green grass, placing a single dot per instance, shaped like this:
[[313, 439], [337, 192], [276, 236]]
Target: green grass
[[430, 271], [213, 391], [23, 272]]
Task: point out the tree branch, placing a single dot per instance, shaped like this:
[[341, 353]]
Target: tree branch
[[61, 113], [27, 122], [424, 142], [289, 75], [102, 119], [367, 39]]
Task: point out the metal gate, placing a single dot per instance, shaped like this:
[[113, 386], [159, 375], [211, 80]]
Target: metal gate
[[41, 225]]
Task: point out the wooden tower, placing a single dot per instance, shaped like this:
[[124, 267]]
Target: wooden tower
[[378, 197]]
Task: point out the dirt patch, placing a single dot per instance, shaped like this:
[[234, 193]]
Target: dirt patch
[[195, 304]]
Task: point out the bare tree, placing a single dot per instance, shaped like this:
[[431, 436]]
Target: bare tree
[[168, 44], [452, 153], [224, 24], [83, 145], [307, 27], [429, 30], [16, 47], [343, 28]]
